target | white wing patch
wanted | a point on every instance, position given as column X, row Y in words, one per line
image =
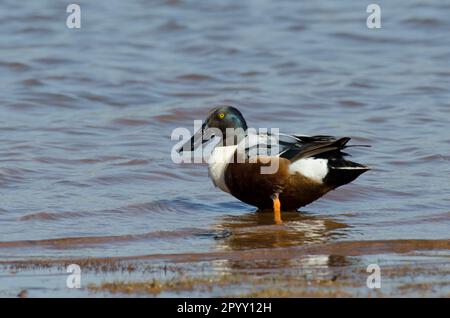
column 315, row 169
column 218, row 162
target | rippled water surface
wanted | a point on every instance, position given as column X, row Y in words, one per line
column 86, row 117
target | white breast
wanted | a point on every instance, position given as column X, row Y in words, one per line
column 315, row 169
column 218, row 162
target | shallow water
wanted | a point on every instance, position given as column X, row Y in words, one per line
column 86, row 117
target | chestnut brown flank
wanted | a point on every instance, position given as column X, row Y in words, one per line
column 246, row 183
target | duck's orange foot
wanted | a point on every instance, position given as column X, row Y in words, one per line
column 276, row 209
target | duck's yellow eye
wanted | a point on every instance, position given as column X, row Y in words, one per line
column 221, row 115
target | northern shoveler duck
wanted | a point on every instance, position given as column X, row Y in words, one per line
column 307, row 166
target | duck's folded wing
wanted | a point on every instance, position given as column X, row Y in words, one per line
column 307, row 139
column 298, row 147
column 287, row 146
column 295, row 147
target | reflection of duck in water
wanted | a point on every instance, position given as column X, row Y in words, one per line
column 256, row 230
column 306, row 167
column 269, row 246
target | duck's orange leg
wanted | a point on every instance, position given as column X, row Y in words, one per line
column 276, row 209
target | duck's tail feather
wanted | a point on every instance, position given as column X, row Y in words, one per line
column 341, row 171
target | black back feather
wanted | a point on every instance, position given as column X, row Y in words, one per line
column 314, row 146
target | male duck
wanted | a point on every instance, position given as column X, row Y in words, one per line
column 307, row 166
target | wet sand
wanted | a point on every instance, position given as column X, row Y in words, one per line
column 408, row 268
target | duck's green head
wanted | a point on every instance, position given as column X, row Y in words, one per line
column 224, row 117
column 220, row 119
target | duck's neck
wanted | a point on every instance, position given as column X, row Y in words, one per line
column 233, row 137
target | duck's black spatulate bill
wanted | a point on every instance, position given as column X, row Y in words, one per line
column 196, row 140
